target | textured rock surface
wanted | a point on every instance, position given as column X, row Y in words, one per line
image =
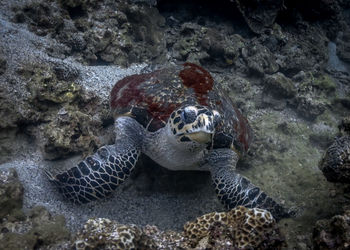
column 260, row 15
column 240, row 228
column 11, row 192
column 343, row 48
column 34, row 230
column 280, row 86
column 335, row 163
column 333, row 233
column 107, row 234
column 112, row 32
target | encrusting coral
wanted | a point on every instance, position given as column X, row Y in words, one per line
column 239, row 228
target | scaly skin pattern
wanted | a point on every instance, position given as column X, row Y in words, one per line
column 235, row 190
column 99, row 174
column 96, row 176
column 335, row 163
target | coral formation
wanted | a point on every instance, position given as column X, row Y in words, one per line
column 61, row 107
column 35, row 229
column 335, row 163
column 104, row 233
column 279, row 85
column 95, row 34
column 242, row 227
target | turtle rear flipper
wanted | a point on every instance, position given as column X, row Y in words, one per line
column 99, row 174
column 235, row 190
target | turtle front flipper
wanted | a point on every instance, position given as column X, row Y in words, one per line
column 235, row 190
column 99, row 174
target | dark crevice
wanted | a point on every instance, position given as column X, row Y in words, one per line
column 76, row 12
column 107, row 122
column 99, row 62
column 177, row 12
column 311, row 11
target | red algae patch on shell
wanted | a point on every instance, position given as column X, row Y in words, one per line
column 194, row 76
column 127, row 91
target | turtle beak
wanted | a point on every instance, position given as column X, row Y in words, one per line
column 201, row 137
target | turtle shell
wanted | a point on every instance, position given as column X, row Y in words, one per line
column 151, row 98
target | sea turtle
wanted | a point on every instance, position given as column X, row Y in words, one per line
column 183, row 121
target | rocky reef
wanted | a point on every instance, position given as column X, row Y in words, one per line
column 333, row 233
column 239, row 228
column 335, row 163
column 34, row 229
column 39, row 229
column 285, row 64
column 100, row 33
column 11, row 192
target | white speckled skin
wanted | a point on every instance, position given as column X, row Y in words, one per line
column 182, row 143
column 164, row 148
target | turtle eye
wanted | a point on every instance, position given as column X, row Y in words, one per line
column 217, row 118
column 188, row 115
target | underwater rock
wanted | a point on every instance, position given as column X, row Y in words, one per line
column 45, row 87
column 309, row 108
column 344, row 126
column 65, row 72
column 333, row 233
column 260, row 15
column 303, row 51
column 139, row 36
column 343, row 46
column 279, row 85
column 314, row 95
column 185, row 47
column 37, row 229
column 321, row 134
column 11, row 192
column 7, row 143
column 224, row 51
column 239, row 228
column 3, row 65
column 70, row 132
column 9, row 113
column 42, row 17
column 95, row 34
column 335, row 163
column 259, row 59
column 106, row 234
column 66, row 123
column 278, row 90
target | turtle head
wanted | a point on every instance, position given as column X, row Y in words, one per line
column 193, row 125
